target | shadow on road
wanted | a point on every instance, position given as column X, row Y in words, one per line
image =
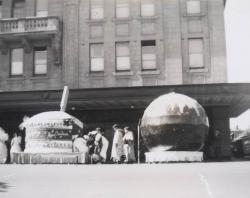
column 3, row 187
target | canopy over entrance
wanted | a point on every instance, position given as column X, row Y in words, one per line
column 234, row 96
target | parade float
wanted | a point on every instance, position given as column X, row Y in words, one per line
column 49, row 137
column 174, row 128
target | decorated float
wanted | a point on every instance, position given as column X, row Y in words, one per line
column 174, row 127
column 51, row 132
column 49, row 137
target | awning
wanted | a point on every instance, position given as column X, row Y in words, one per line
column 235, row 96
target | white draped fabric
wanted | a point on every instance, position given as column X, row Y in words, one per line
column 16, row 145
column 174, row 156
column 80, row 146
column 3, row 149
column 117, row 147
column 129, row 151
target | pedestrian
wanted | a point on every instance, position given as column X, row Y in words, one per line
column 96, row 145
column 91, row 142
column 105, row 145
column 98, row 141
column 80, row 146
column 117, row 152
column 128, row 140
column 3, row 148
column 15, row 146
column 22, row 127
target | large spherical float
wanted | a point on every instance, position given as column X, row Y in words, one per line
column 51, row 132
column 174, row 122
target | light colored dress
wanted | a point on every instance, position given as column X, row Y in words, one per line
column 80, row 146
column 3, row 149
column 129, row 151
column 16, row 145
column 117, row 146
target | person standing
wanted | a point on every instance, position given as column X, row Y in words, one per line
column 15, row 146
column 80, row 146
column 117, row 147
column 105, row 145
column 128, row 140
column 3, row 148
column 98, row 141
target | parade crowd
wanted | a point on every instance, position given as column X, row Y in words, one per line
column 92, row 146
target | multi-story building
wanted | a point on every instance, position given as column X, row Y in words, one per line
column 111, row 43
column 115, row 55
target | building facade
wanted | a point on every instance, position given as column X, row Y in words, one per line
column 116, row 56
column 46, row 44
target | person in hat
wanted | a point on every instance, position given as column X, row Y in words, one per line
column 95, row 145
column 128, row 140
column 3, row 148
column 98, row 140
column 117, row 152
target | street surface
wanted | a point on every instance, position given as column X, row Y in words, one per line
column 181, row 180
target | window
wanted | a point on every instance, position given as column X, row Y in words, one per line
column 96, row 9
column 196, row 53
column 147, row 8
column 122, row 8
column 40, row 61
column 41, row 8
column 16, row 62
column 122, row 56
column 96, row 57
column 148, row 55
column 193, row 7
column 1, row 7
column 18, row 8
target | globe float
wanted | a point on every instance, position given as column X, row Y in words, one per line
column 174, row 122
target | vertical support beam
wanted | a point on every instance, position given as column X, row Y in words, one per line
column 221, row 143
column 30, row 8
column 26, row 45
column 7, row 8
column 56, row 43
column 71, row 42
column 3, row 47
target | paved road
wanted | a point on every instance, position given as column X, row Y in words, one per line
column 187, row 180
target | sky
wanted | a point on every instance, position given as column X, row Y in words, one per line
column 237, row 24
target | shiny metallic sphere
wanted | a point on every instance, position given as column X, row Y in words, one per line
column 174, row 122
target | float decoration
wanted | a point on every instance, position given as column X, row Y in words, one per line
column 174, row 122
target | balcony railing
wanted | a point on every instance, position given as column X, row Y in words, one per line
column 27, row 25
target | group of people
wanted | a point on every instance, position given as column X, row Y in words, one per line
column 123, row 145
column 94, row 146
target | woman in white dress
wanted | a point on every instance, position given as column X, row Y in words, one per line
column 3, row 148
column 128, row 140
column 117, row 147
column 15, row 145
column 80, row 146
